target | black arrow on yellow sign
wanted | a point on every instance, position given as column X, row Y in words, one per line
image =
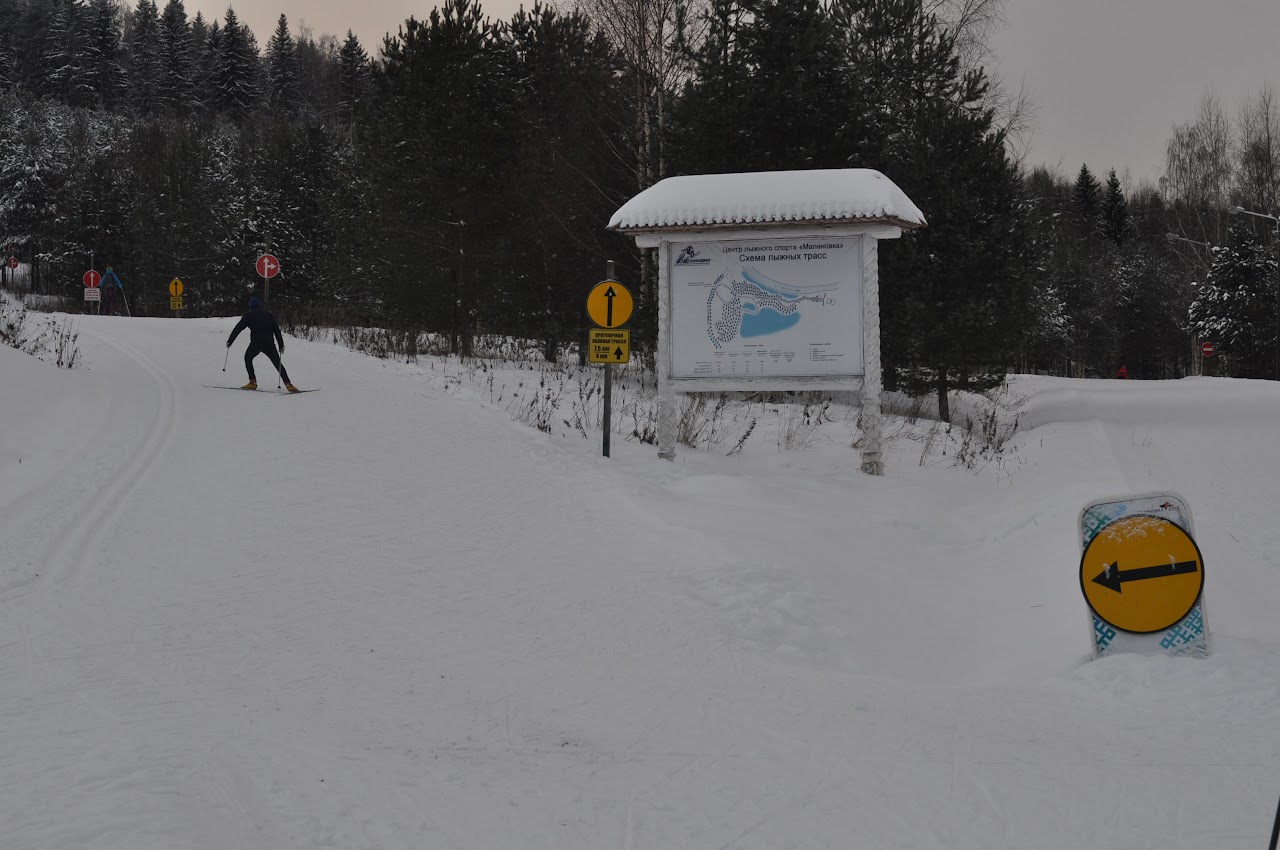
column 1114, row 578
column 610, row 294
column 618, row 353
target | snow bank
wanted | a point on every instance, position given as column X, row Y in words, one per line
column 385, row 616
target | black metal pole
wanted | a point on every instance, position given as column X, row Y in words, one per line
column 1275, row 832
column 608, row 405
column 608, row 382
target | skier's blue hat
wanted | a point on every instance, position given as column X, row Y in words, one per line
column 254, row 302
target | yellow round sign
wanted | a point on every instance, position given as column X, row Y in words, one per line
column 1142, row 574
column 175, row 288
column 609, row 305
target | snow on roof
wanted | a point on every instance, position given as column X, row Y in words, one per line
column 768, row 197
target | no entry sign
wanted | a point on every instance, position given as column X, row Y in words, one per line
column 1208, row 349
column 268, row 266
column 92, row 279
column 13, row 262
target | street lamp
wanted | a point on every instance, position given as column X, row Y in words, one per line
column 1275, row 246
column 1173, row 237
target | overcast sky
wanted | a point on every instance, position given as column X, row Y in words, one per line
column 1109, row 76
column 368, row 19
column 1112, row 76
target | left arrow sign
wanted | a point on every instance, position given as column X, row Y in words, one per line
column 1113, row 578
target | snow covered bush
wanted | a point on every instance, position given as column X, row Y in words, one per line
column 54, row 338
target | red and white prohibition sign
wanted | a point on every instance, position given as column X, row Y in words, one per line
column 268, row 266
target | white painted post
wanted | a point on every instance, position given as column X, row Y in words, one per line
column 666, row 397
column 872, row 431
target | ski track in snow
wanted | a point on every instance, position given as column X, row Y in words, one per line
column 376, row 618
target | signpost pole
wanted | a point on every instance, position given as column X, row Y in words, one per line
column 1275, row 832
column 608, row 380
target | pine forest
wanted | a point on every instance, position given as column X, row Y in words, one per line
column 456, row 179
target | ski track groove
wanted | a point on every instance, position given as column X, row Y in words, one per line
column 70, row 554
column 73, row 548
column 240, row 817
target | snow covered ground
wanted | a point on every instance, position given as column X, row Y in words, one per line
column 385, row 615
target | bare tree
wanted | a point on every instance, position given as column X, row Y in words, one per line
column 1198, row 172
column 974, row 22
column 648, row 35
column 1257, row 151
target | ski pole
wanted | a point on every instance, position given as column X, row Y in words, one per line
column 225, row 359
column 1275, row 833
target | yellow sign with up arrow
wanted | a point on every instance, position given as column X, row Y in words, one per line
column 610, row 305
column 608, row 346
column 1142, row 574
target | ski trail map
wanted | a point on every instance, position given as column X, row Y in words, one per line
column 767, row 308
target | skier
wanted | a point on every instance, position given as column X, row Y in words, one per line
column 1122, row 373
column 262, row 328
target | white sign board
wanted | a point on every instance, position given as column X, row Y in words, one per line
column 92, row 294
column 786, row 307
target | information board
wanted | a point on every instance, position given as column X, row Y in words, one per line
column 788, row 307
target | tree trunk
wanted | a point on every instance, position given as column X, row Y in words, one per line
column 944, row 403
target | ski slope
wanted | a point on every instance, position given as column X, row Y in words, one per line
column 386, row 616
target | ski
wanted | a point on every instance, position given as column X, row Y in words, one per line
column 272, row 392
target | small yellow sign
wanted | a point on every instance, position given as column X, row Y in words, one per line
column 608, row 346
column 175, row 288
column 609, row 305
column 175, row 304
column 1142, row 574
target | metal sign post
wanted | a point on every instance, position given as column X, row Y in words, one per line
column 175, row 297
column 609, row 305
column 93, row 281
column 268, row 267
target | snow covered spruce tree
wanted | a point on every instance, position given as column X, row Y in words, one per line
column 439, row 152
column 1086, row 203
column 567, row 187
column 176, row 86
column 282, row 69
column 145, row 66
column 7, row 74
column 1114, row 213
column 1235, row 305
column 353, row 77
column 103, row 54
column 68, row 76
column 234, row 87
column 709, row 134
column 957, row 310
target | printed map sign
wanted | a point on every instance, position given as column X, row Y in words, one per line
column 763, row 308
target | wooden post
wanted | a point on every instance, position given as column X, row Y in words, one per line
column 666, row 396
column 872, row 434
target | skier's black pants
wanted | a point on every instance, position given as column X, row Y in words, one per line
column 254, row 350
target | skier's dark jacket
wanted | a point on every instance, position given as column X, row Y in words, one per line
column 262, row 327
